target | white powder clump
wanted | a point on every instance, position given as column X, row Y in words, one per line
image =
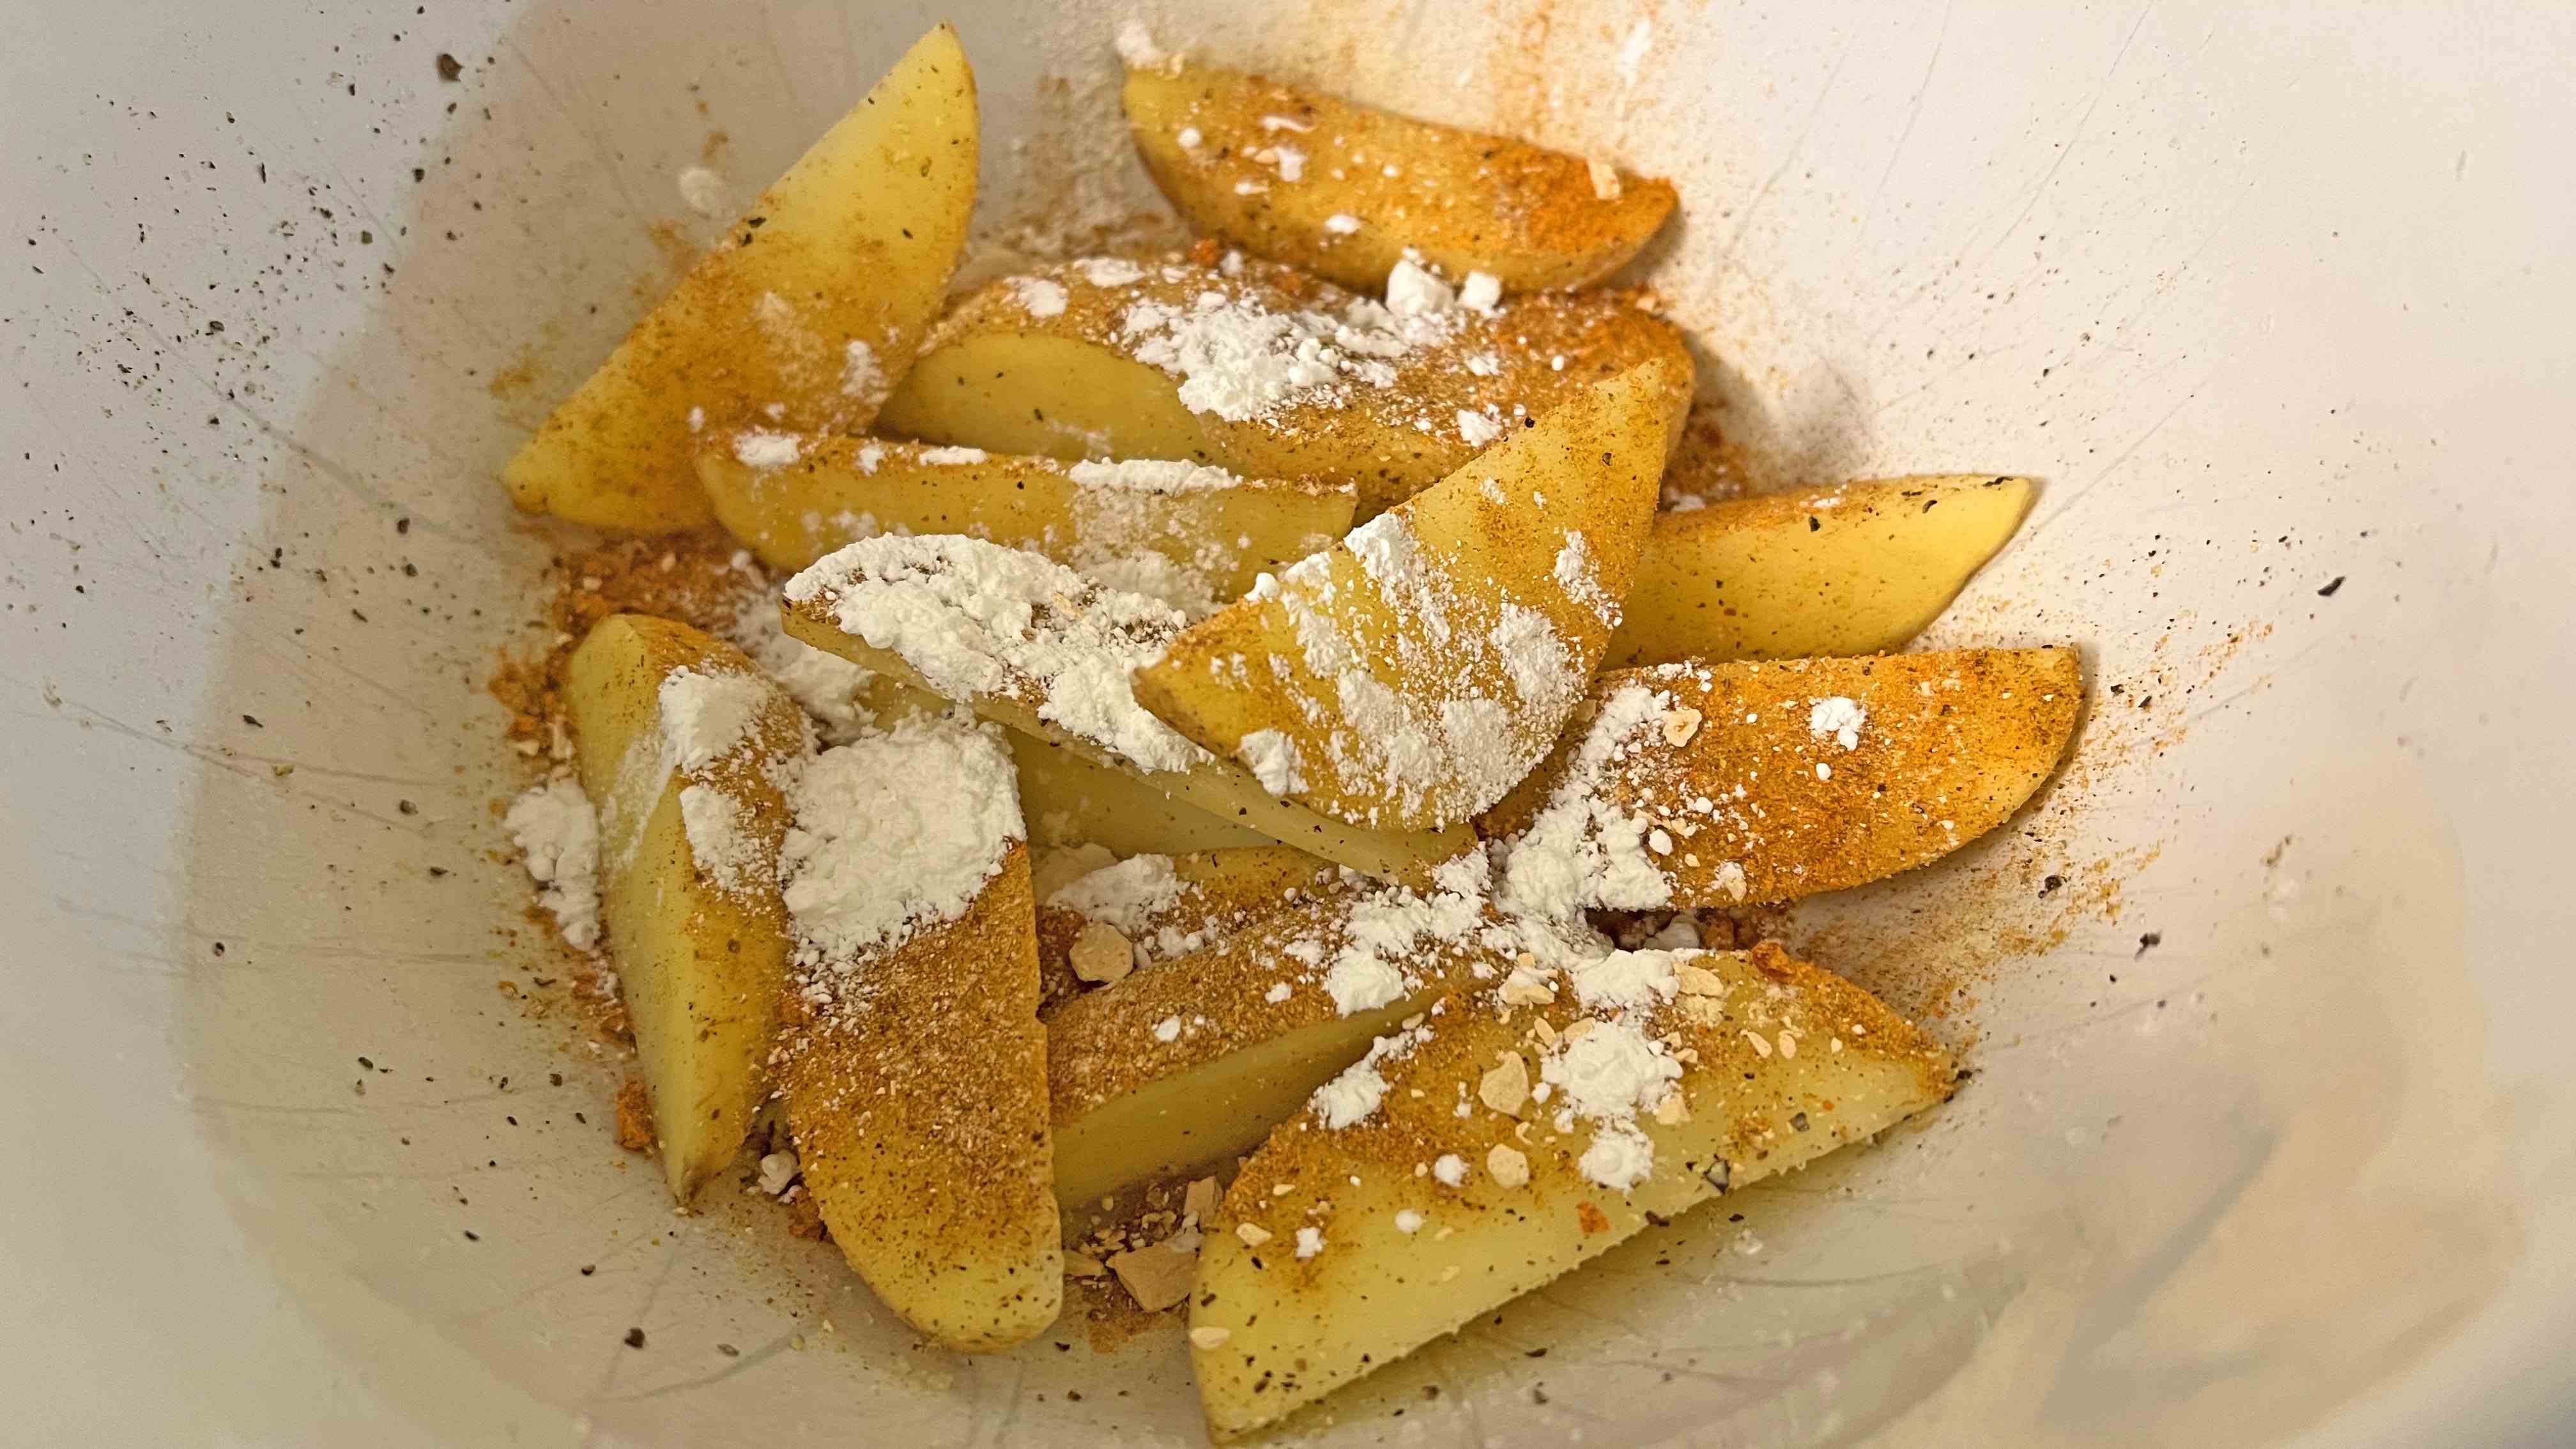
column 1840, row 718
column 1481, row 292
column 1574, row 574
column 1038, row 296
column 1582, row 849
column 1310, row 1241
column 557, row 834
column 1387, row 930
column 830, row 689
column 1352, row 1096
column 721, row 841
column 1291, row 162
column 1408, row 1221
column 1110, row 271
column 762, row 448
column 1137, row 48
column 954, row 455
column 1627, row 978
column 705, row 717
column 1477, row 429
column 1612, row 1072
column 1412, row 290
column 975, row 618
column 1272, row 757
column 893, row 833
column 1451, row 1169
column 1129, row 896
column 1619, row 1158
column 1342, row 223
column 1151, row 475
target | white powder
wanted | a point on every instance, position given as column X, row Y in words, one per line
column 703, row 191
column 1612, row 1072
column 954, row 455
column 1168, row 1029
column 1279, row 991
column 829, row 688
column 892, row 833
column 861, row 377
column 1342, row 223
column 761, row 448
column 1619, row 1158
column 974, row 618
column 1129, row 895
column 557, row 834
column 1291, row 162
column 705, row 717
column 1242, row 351
column 1541, row 667
column 1575, row 575
column 1189, row 138
column 1582, row 850
column 1412, row 291
column 1408, row 1221
column 1481, row 292
column 1451, row 1169
column 1839, row 717
column 1272, row 758
column 1151, row 475
column 1110, row 271
column 1310, row 1241
column 1352, row 1096
column 1038, row 296
column 1627, row 978
column 1387, row 929
column 721, row 841
column 1137, row 48
column 1477, row 429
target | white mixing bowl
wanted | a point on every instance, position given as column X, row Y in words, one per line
column 2271, row 1130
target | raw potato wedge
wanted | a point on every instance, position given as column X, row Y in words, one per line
column 1055, row 362
column 1768, row 781
column 1194, row 537
column 1165, row 906
column 1859, row 569
column 920, row 1123
column 977, row 614
column 1411, row 675
column 813, row 302
column 1342, row 189
column 1193, row 1062
column 700, row 949
column 1274, row 1326
column 1074, row 799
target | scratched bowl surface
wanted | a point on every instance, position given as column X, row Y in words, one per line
column 2270, row 1134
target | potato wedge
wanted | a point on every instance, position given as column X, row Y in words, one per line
column 1342, row 189
column 1191, row 536
column 1710, row 785
column 1342, row 1248
column 913, row 1063
column 1262, row 371
column 812, row 304
column 1180, row 1067
column 1033, row 645
column 1857, row 569
column 1411, row 675
column 1154, row 907
column 693, row 917
column 1075, row 799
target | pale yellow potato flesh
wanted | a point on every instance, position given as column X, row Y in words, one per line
column 1271, row 1331
column 1216, row 540
column 1219, row 788
column 1242, row 1055
column 1856, row 569
column 921, row 1124
column 699, row 965
column 1070, row 798
column 1459, row 713
column 814, row 301
column 1217, row 893
column 1758, row 806
column 1220, row 142
column 997, row 375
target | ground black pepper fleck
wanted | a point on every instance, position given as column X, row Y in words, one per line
column 634, row 1338
column 2333, row 584
column 2150, row 941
